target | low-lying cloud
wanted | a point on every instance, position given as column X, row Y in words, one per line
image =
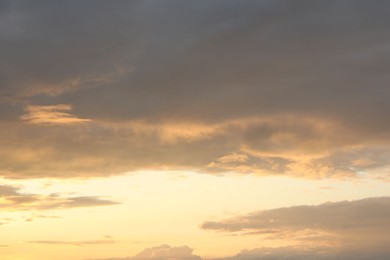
column 163, row 252
column 13, row 199
column 346, row 225
column 304, row 147
column 350, row 230
column 73, row 243
column 294, row 253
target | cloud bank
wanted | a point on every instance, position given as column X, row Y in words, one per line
column 348, row 230
column 267, row 87
column 291, row 253
column 346, row 227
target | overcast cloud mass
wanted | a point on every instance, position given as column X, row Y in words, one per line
column 266, row 87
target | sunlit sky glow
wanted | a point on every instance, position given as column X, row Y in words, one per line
column 188, row 130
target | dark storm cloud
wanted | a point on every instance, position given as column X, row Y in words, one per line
column 294, row 87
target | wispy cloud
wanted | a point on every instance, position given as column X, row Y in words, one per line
column 51, row 115
column 73, row 243
column 13, row 199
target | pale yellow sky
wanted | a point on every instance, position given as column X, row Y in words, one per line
column 161, row 208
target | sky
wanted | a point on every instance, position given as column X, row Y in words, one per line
column 194, row 130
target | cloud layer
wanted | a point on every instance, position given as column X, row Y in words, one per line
column 355, row 226
column 350, row 230
column 292, row 253
column 265, row 87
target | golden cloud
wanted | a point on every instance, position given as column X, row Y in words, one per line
column 51, row 115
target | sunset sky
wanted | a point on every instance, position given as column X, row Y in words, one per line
column 189, row 130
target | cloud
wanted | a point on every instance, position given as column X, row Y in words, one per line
column 276, row 145
column 56, row 114
column 350, row 230
column 13, row 199
column 73, row 243
column 297, row 89
column 347, row 225
column 163, row 252
column 166, row 252
column 6, row 190
column 293, row 253
column 34, row 217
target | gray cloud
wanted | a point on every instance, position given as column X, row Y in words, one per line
column 166, row 252
column 163, row 252
column 228, row 59
column 360, row 225
column 298, row 88
column 304, row 147
column 293, row 253
column 13, row 199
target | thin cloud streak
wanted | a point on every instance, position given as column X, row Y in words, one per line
column 51, row 115
column 13, row 199
column 73, row 243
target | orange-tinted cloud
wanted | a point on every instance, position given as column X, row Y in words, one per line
column 51, row 115
column 305, row 147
